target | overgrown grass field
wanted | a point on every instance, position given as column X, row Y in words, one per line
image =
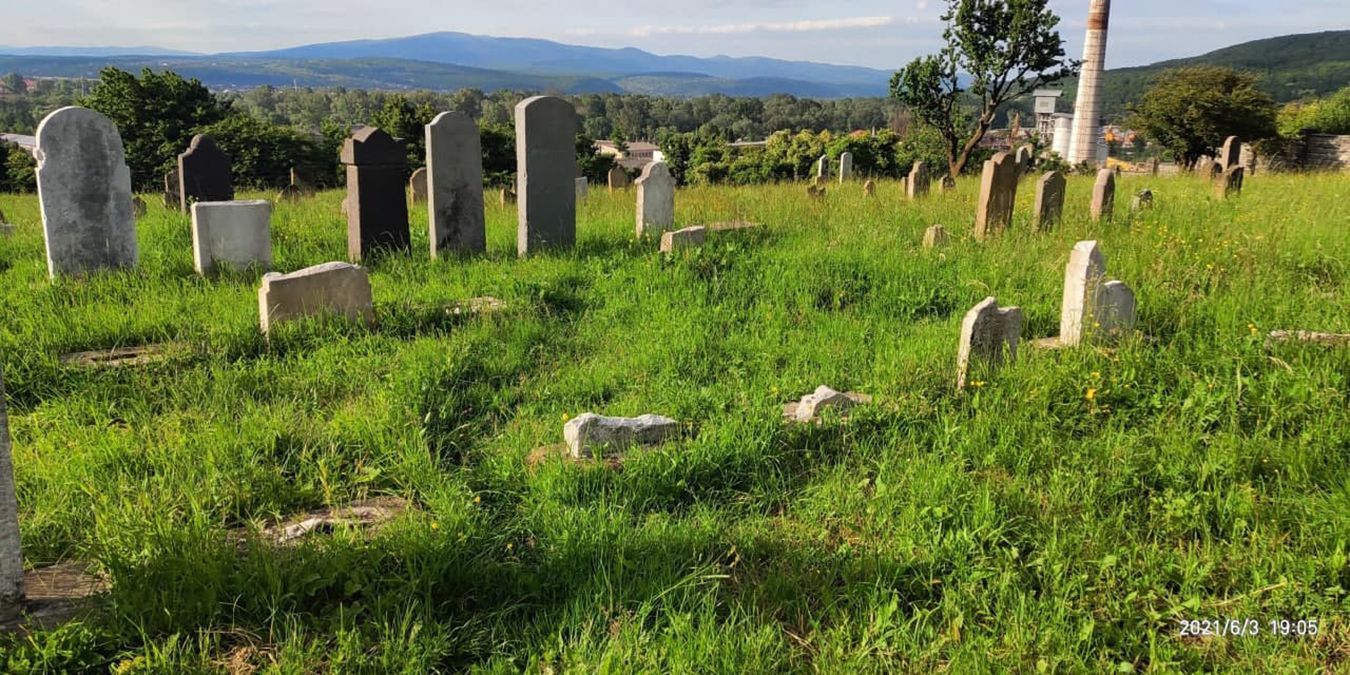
column 1063, row 517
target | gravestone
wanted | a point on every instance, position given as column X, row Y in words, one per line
column 1024, row 157
column 917, row 183
column 591, row 434
column 455, row 213
column 138, row 208
column 172, row 200
column 583, row 188
column 1231, row 153
column 336, row 288
column 546, row 167
column 11, row 553
column 1154, row 166
column 204, row 174
column 686, row 238
column 845, row 167
column 989, row 338
column 1093, row 307
column 1143, row 201
column 417, row 185
column 1204, row 167
column 823, row 167
column 237, row 233
column 1049, row 208
column 655, row 199
column 948, row 183
column 84, row 189
column 1104, row 195
column 870, row 188
column 935, row 237
column 1229, row 183
column 507, row 196
column 618, row 179
column 377, row 203
column 998, row 194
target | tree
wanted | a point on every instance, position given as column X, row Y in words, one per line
column 1006, row 47
column 1191, row 110
column 263, row 154
column 404, row 120
column 155, row 115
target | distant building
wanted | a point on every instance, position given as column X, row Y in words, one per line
column 639, row 154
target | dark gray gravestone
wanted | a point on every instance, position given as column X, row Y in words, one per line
column 546, row 169
column 204, row 174
column 1049, row 207
column 455, row 185
column 377, row 203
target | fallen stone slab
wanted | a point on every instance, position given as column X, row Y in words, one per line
column 689, row 237
column 1309, row 337
column 54, row 595
column 590, row 433
column 732, row 225
column 476, row 306
column 367, row 515
column 337, row 288
column 811, row 406
column 125, row 356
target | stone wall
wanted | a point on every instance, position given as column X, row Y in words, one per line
column 1309, row 152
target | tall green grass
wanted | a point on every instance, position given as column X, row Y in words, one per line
column 1026, row 526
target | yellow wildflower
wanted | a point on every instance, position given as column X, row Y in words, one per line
column 1091, row 394
column 566, row 417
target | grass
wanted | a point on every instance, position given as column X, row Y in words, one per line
column 1024, row 527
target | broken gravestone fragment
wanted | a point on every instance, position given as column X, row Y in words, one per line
column 811, row 406
column 591, row 435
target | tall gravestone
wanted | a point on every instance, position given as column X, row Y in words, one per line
column 655, row 200
column 998, row 194
column 1230, row 155
column 205, row 174
column 377, row 204
column 1093, row 305
column 546, row 169
column 918, row 181
column 417, row 185
column 11, row 553
column 1104, row 195
column 989, row 337
column 84, row 188
column 845, row 167
column 455, row 209
column 1049, row 207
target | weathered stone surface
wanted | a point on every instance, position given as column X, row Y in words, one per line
column 455, row 211
column 686, row 238
column 1024, row 157
column 935, row 237
column 998, row 194
column 812, row 405
column 546, row 166
column 366, row 515
column 331, row 288
column 1143, row 200
column 122, row 357
column 1204, row 167
column 507, row 196
column 618, row 179
column 948, row 183
column 417, row 185
column 84, row 188
column 823, row 167
column 172, row 199
column 989, row 338
column 845, row 167
column 655, row 200
column 1230, row 155
column 590, row 434
column 870, row 188
column 205, row 174
column 1229, row 183
column 1049, row 208
column 1093, row 307
column 1104, row 195
column 237, row 233
column 377, row 201
column 918, row 181
column 138, row 208
column 1309, row 337
column 11, row 554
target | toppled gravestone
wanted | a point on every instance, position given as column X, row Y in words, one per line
column 811, row 406
column 591, row 435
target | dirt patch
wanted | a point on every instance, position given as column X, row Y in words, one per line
column 54, row 595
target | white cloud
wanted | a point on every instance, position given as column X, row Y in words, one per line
column 769, row 27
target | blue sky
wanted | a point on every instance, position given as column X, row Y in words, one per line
column 877, row 33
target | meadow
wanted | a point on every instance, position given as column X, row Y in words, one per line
column 1064, row 516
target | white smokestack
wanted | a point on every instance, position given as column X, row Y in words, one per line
column 1087, row 109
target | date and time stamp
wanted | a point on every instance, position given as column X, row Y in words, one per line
column 1248, row 628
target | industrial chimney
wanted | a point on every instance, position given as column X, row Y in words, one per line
column 1087, row 109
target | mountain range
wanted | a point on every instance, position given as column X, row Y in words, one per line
column 1291, row 66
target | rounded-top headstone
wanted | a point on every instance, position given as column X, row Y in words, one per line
column 370, row 146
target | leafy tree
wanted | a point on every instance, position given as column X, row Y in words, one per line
column 156, row 116
column 1189, row 111
column 407, row 121
column 263, row 154
column 18, row 169
column 1330, row 115
column 1006, row 47
column 14, row 84
column 499, row 154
